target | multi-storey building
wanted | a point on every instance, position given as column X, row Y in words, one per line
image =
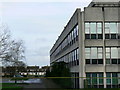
column 90, row 44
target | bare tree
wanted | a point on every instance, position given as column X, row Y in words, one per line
column 11, row 51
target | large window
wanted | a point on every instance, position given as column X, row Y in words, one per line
column 112, row 80
column 112, row 30
column 93, row 30
column 112, row 55
column 95, row 80
column 94, row 55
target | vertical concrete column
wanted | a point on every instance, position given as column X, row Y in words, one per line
column 104, row 56
column 81, row 49
column 119, row 41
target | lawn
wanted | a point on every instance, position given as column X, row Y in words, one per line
column 12, row 86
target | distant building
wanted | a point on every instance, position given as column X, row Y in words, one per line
column 90, row 44
column 10, row 71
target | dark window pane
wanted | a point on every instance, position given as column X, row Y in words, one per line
column 100, row 36
column 107, row 36
column 95, row 86
column 100, row 61
column 113, row 36
column 114, row 86
column 118, row 61
column 108, row 86
column 107, row 61
column 77, row 62
column 94, row 61
column 114, row 61
column 101, row 86
column 118, row 36
column 87, row 36
column 114, row 74
column 93, row 36
column 87, row 61
column 88, row 75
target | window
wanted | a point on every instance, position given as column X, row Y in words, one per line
column 73, row 58
column 94, row 61
column 94, row 55
column 108, row 61
column 87, row 61
column 87, row 36
column 100, row 61
column 118, row 61
column 93, row 52
column 93, row 36
column 111, row 30
column 87, row 53
column 93, row 30
column 95, row 80
column 114, row 61
column 112, row 56
column 112, row 80
column 108, row 75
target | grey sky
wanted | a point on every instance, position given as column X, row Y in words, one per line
column 38, row 24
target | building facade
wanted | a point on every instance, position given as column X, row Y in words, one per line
column 90, row 44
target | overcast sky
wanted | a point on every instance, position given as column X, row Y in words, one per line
column 38, row 24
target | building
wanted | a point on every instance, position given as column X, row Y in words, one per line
column 90, row 44
column 26, row 71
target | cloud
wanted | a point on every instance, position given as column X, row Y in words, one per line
column 38, row 24
column 44, row 1
column 38, row 60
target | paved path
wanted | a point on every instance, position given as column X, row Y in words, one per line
column 35, row 84
column 50, row 84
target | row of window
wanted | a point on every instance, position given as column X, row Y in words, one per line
column 100, row 61
column 112, row 61
column 97, row 52
column 113, row 80
column 94, row 55
column 96, row 27
column 95, row 80
column 71, row 58
column 93, row 30
column 94, row 61
column 70, row 39
column 100, row 36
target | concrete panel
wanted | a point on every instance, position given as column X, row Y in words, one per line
column 94, row 42
column 93, row 14
column 112, row 68
column 94, row 68
column 112, row 42
column 111, row 14
column 74, row 69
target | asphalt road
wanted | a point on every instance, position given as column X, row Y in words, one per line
column 36, row 83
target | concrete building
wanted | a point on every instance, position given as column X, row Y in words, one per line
column 90, row 44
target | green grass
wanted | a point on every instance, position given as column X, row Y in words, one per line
column 12, row 86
